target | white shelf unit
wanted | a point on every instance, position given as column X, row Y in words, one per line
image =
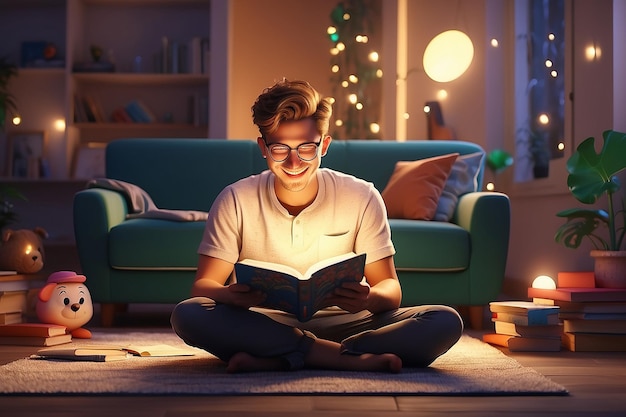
column 125, row 30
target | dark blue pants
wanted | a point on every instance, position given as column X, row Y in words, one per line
column 418, row 335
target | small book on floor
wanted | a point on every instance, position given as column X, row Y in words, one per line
column 553, row 331
column 35, row 340
column 300, row 294
column 32, row 329
column 523, row 344
column 106, row 353
column 524, row 313
column 594, row 342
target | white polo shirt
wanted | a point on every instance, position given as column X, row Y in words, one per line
column 247, row 221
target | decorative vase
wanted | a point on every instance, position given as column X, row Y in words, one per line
column 610, row 268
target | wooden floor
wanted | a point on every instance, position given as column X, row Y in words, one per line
column 596, row 383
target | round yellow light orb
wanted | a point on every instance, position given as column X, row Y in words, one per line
column 448, row 56
column 545, row 282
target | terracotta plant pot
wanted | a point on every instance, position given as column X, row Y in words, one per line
column 610, row 268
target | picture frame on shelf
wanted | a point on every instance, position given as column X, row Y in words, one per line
column 26, row 151
column 89, row 161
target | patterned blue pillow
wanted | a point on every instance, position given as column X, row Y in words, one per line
column 463, row 179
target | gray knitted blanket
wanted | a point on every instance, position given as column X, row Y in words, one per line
column 141, row 205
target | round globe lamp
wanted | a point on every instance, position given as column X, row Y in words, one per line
column 448, row 56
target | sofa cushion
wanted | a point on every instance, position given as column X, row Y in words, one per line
column 415, row 186
column 430, row 246
column 463, row 179
column 155, row 244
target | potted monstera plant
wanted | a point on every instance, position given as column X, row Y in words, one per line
column 591, row 176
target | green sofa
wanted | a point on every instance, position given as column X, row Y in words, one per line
column 151, row 260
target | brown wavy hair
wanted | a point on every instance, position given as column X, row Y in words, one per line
column 288, row 101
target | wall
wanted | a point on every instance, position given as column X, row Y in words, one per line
column 533, row 250
column 273, row 39
column 480, row 106
column 465, row 105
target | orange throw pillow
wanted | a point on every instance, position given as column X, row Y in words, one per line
column 414, row 188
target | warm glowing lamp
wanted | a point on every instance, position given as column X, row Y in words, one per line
column 448, row 56
column 544, row 282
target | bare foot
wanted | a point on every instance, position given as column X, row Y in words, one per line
column 244, row 362
column 386, row 362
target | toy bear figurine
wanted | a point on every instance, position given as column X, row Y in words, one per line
column 65, row 300
column 22, row 250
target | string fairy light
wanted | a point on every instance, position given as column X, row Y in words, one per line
column 355, row 69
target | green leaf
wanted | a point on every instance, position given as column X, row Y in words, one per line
column 592, row 174
column 580, row 223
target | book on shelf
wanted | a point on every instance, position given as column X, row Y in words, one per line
column 139, row 112
column 104, row 353
column 594, row 326
column 579, row 294
column 35, row 340
column 120, row 115
column 80, row 116
column 12, row 301
column 594, row 342
column 32, row 329
column 94, row 109
column 11, row 317
column 523, row 344
column 552, row 331
column 296, row 293
column 576, row 279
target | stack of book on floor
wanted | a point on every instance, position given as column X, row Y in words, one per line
column 594, row 319
column 523, row 326
column 34, row 334
column 13, row 297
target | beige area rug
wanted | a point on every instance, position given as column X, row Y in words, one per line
column 471, row 367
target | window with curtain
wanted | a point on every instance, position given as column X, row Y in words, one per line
column 540, row 86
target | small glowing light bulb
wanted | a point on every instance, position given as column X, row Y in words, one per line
column 544, row 282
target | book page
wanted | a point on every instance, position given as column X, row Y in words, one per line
column 157, row 350
column 271, row 266
column 328, row 262
column 285, row 269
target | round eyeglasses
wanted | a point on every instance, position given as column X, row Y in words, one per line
column 279, row 152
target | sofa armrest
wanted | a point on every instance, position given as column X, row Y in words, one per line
column 487, row 217
column 96, row 211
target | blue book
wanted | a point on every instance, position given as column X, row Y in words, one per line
column 300, row 294
column 139, row 113
column 524, row 312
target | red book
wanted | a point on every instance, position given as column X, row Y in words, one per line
column 32, row 329
column 579, row 294
column 576, row 279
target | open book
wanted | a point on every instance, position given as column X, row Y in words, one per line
column 106, row 353
column 300, row 294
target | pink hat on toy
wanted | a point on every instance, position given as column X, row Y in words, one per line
column 65, row 276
